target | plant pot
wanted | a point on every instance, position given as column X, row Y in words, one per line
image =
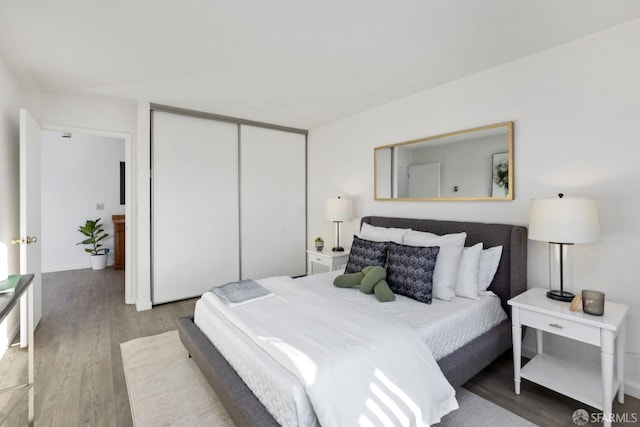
column 98, row 262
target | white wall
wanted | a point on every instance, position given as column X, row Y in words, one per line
column 576, row 113
column 10, row 102
column 77, row 174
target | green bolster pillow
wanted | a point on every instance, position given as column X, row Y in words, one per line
column 383, row 292
column 371, row 277
column 348, row 280
column 367, row 269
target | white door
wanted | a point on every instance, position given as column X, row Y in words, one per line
column 424, row 180
column 195, row 243
column 272, row 203
column 30, row 250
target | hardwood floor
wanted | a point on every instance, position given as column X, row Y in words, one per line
column 79, row 376
column 536, row 403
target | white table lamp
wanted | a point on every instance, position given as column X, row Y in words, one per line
column 564, row 221
column 338, row 210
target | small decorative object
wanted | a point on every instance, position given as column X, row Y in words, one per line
column 319, row 244
column 593, row 302
column 564, row 221
column 95, row 234
column 575, row 303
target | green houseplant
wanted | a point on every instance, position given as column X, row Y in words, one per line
column 94, row 232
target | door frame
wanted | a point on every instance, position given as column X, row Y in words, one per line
column 129, row 289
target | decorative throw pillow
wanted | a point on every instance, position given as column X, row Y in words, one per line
column 468, row 270
column 446, row 271
column 489, row 261
column 382, row 234
column 364, row 253
column 410, row 270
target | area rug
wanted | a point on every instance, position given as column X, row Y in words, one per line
column 166, row 389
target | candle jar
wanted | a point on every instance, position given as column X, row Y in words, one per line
column 593, row 302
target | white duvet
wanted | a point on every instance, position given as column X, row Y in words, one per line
column 357, row 368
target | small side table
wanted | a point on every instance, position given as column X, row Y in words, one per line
column 333, row 260
column 532, row 308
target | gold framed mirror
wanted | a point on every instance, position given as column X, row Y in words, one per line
column 471, row 164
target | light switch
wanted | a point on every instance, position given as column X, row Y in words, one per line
column 100, row 206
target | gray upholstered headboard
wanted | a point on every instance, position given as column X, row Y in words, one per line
column 511, row 277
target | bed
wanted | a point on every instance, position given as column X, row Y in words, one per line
column 458, row 366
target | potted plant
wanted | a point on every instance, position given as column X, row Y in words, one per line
column 319, row 243
column 95, row 234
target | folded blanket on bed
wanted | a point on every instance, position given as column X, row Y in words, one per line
column 237, row 293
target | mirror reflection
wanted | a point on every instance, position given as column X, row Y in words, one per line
column 473, row 164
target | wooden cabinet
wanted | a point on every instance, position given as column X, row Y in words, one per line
column 119, row 236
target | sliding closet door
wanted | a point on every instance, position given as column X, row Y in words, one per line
column 272, row 202
column 195, row 241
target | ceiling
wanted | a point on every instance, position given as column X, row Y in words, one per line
column 298, row 63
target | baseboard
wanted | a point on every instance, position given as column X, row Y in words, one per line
column 632, row 388
column 59, row 268
column 143, row 305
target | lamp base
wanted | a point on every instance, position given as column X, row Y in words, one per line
column 558, row 295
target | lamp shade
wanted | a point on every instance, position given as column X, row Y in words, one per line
column 564, row 220
column 338, row 210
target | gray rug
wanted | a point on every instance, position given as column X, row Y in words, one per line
column 166, row 389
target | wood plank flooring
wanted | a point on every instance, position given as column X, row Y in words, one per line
column 79, row 376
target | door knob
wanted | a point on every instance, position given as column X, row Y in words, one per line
column 29, row 240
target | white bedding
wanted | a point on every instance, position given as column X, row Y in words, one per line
column 444, row 325
column 280, row 391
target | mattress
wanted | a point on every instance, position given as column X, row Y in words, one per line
column 444, row 325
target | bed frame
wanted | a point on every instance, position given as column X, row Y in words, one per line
column 510, row 280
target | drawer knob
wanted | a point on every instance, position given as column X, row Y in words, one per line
column 555, row 325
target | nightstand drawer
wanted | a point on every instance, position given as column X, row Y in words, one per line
column 323, row 260
column 562, row 327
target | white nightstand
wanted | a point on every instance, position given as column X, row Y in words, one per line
column 532, row 308
column 333, row 260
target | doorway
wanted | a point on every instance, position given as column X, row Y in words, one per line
column 81, row 173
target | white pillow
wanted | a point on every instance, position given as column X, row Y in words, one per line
column 446, row 269
column 382, row 234
column 489, row 261
column 467, row 281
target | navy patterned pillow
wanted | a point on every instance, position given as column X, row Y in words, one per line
column 364, row 253
column 410, row 270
